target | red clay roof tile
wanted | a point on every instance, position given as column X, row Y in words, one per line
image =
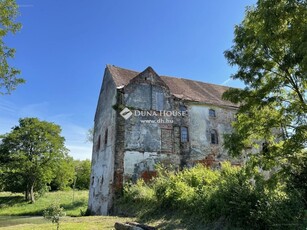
column 179, row 87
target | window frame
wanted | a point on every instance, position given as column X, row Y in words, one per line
column 212, row 113
column 181, row 134
column 215, row 137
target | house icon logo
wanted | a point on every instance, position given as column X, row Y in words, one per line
column 126, row 113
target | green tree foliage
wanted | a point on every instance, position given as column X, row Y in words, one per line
column 8, row 74
column 90, row 135
column 64, row 173
column 29, row 154
column 270, row 51
column 82, row 174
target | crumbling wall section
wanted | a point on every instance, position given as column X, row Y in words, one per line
column 148, row 138
column 101, row 190
column 202, row 125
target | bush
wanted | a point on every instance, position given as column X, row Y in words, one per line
column 208, row 195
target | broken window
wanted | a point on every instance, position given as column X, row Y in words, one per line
column 106, row 137
column 98, row 143
column 212, row 113
column 184, row 134
column 159, row 101
column 214, row 138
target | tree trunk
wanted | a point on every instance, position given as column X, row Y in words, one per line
column 27, row 194
column 32, row 194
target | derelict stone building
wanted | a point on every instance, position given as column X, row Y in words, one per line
column 143, row 118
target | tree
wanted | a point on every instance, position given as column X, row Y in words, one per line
column 8, row 74
column 64, row 173
column 90, row 135
column 270, row 51
column 83, row 174
column 29, row 155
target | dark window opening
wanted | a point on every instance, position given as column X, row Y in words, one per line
column 212, row 113
column 265, row 147
column 182, row 108
column 93, row 178
column 106, row 137
column 184, row 134
column 98, row 143
column 214, row 138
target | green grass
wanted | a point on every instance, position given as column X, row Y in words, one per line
column 13, row 204
column 67, row 223
column 15, row 213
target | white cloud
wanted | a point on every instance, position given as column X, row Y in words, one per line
column 80, row 152
column 75, row 134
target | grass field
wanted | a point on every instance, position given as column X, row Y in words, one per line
column 15, row 213
column 69, row 223
column 13, row 204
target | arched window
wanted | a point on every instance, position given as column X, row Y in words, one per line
column 98, row 143
column 212, row 113
column 184, row 134
column 214, row 137
column 106, row 137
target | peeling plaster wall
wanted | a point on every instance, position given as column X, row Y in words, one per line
column 142, row 164
column 142, row 141
column 101, row 191
column 200, row 128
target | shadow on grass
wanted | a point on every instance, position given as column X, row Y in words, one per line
column 72, row 206
column 7, row 201
column 170, row 219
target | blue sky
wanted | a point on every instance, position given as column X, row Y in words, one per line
column 64, row 46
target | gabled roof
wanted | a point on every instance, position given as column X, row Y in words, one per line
column 185, row 89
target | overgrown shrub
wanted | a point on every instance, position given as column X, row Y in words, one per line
column 230, row 193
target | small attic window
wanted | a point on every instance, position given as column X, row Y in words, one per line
column 212, row 113
column 182, row 108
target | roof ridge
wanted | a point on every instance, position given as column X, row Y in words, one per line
column 196, row 81
column 138, row 72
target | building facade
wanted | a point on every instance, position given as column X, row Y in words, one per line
column 143, row 119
